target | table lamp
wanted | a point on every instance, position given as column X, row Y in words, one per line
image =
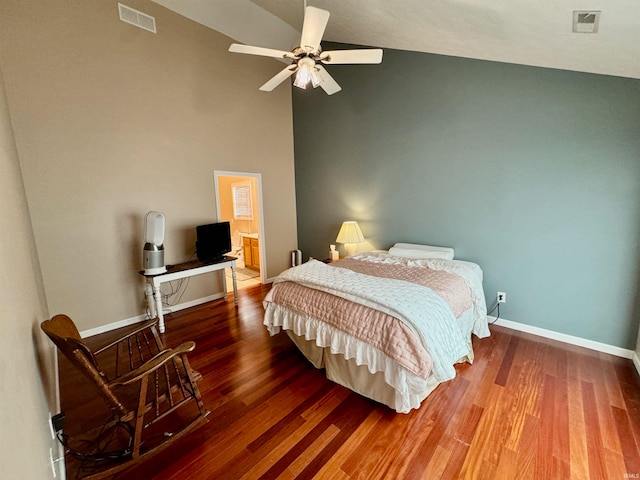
column 350, row 234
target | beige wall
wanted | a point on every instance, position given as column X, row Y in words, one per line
column 27, row 363
column 112, row 121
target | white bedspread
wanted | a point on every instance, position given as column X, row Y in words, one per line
column 470, row 272
column 422, row 310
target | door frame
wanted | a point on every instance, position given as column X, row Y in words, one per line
column 261, row 234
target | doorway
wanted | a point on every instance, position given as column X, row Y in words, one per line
column 239, row 202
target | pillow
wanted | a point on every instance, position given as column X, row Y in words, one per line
column 412, row 250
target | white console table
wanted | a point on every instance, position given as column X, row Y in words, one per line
column 189, row 269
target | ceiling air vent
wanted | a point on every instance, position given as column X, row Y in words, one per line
column 586, row 21
column 139, row 19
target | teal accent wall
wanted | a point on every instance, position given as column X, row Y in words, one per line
column 532, row 173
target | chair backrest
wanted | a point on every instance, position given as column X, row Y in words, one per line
column 64, row 333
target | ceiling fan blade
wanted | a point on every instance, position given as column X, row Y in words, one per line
column 371, row 55
column 279, row 78
column 315, row 21
column 265, row 52
column 328, row 84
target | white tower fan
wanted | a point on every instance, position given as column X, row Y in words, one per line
column 153, row 253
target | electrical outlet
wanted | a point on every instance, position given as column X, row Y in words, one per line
column 55, row 468
column 51, row 430
column 53, row 462
column 56, row 424
column 502, row 297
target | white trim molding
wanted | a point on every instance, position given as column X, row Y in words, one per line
column 636, row 362
column 563, row 337
column 141, row 318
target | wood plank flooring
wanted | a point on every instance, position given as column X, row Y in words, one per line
column 528, row 408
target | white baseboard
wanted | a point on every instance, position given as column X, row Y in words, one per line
column 563, row 337
column 141, row 318
column 636, row 362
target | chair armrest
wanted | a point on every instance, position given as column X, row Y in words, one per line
column 143, row 326
column 153, row 364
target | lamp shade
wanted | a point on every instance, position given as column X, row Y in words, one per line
column 350, row 233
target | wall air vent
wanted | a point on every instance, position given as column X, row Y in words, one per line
column 139, row 19
column 586, row 21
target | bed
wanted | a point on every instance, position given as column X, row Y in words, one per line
column 387, row 325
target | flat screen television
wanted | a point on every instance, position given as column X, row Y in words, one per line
column 213, row 241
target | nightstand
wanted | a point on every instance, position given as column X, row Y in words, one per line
column 328, row 260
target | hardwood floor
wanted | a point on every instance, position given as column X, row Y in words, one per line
column 527, row 408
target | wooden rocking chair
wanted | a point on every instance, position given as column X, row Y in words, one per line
column 141, row 382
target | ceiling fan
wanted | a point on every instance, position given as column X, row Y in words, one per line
column 308, row 58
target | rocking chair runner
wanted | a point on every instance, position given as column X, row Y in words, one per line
column 141, row 382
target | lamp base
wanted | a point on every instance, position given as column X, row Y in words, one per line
column 350, row 248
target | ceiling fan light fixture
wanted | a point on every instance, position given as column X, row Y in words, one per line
column 315, row 78
column 307, row 73
column 303, row 77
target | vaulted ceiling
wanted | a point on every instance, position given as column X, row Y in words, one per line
column 526, row 32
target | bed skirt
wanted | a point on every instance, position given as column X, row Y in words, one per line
column 357, row 377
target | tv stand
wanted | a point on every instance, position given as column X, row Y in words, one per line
column 190, row 269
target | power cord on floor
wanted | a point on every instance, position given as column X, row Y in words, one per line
column 101, row 449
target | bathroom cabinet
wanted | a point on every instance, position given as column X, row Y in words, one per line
column 251, row 249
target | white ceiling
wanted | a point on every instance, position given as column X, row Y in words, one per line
column 527, row 32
